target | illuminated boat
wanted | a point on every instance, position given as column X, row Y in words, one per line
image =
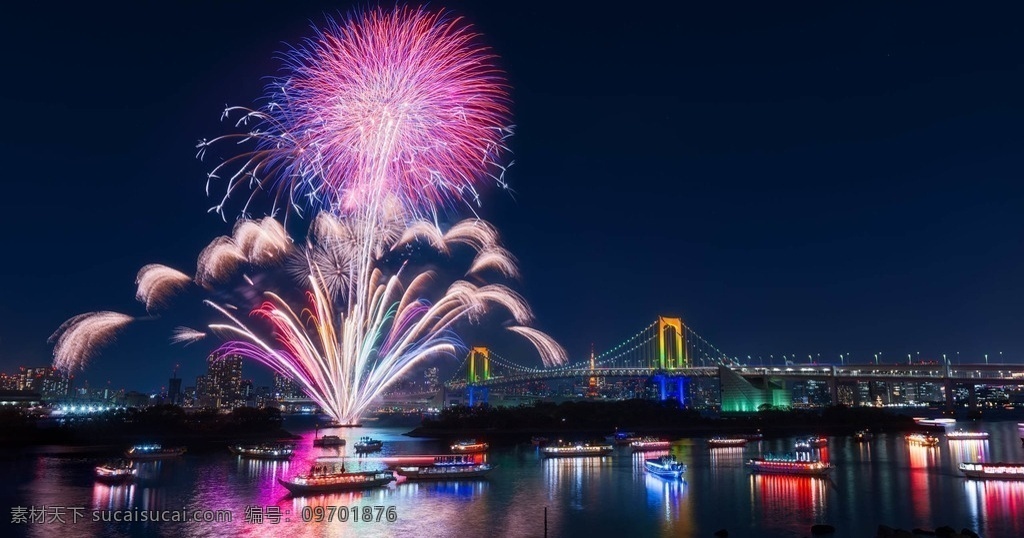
column 447, row 468
column 753, row 436
column 118, row 471
column 469, row 447
column 790, row 465
column 961, row 435
column 565, row 450
column 665, row 467
column 993, row 471
column 326, row 477
column 621, row 438
column 268, row 451
column 723, row 442
column 328, row 440
column 368, row 444
column 153, row 452
column 921, row 439
column 649, row 443
column 863, row 436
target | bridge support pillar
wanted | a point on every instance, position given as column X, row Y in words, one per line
column 662, row 388
column 476, row 395
column 872, row 393
column 948, row 389
column 972, row 396
column 856, row 394
column 682, row 382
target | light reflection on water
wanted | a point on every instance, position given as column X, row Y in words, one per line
column 881, row 481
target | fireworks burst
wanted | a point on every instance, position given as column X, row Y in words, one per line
column 401, row 104
column 78, row 339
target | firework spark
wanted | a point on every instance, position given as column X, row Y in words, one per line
column 80, row 338
column 401, row 103
column 187, row 335
column 157, row 284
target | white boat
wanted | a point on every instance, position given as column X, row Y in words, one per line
column 153, row 452
column 790, row 465
column 921, row 439
column 723, row 442
column 993, row 471
column 447, row 468
column 962, row 435
column 469, row 446
column 576, row 449
column 368, row 444
column 120, row 471
column 649, row 443
column 268, row 451
column 665, row 467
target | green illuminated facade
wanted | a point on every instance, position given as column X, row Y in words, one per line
column 742, row 396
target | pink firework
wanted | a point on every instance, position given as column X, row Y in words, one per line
column 386, row 106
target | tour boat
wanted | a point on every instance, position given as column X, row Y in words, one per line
column 722, row 442
column 447, row 468
column 153, row 452
column 921, row 439
column 649, row 443
column 269, row 451
column 817, row 442
column 469, row 447
column 576, row 449
column 119, row 471
column 665, row 467
column 993, row 471
column 961, row 435
column 325, row 477
column 862, row 436
column 328, row 440
column 790, row 465
column 368, row 444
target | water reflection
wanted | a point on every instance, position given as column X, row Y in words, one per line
column 787, row 502
column 922, row 459
column 725, row 458
column 968, row 450
column 575, row 476
column 997, row 506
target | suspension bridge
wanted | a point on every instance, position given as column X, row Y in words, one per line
column 671, row 354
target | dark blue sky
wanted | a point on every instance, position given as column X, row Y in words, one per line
column 789, row 181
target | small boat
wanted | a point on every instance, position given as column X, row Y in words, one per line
column 117, row 471
column 328, row 440
column 539, row 441
column 269, row 451
column 368, row 444
column 562, row 450
column 153, row 452
column 724, row 442
column 665, row 467
column 790, row 465
column 962, row 435
column 447, row 468
column 469, row 447
column 325, row 477
column 649, row 443
column 863, row 436
column 753, row 436
column 817, row 442
column 336, row 424
column 921, row 439
column 993, row 471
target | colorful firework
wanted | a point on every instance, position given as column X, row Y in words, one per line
column 370, row 312
column 401, row 104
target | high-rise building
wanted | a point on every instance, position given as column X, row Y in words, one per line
column 284, row 387
column 48, row 381
column 430, row 378
column 224, row 382
column 174, row 390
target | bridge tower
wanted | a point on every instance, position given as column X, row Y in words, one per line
column 592, row 386
column 675, row 356
column 479, row 370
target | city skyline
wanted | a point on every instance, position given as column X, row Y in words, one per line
column 860, row 202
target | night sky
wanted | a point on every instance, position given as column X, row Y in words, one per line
column 819, row 180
